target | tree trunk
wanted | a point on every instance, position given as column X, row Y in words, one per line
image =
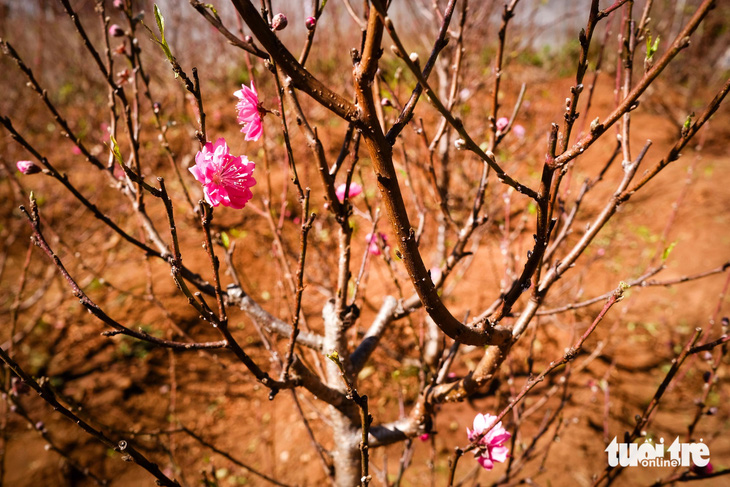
column 345, row 432
column 346, row 451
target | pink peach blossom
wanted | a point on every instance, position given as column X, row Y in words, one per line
column 491, row 445
column 226, row 179
column 27, row 167
column 435, row 274
column 355, row 189
column 502, row 123
column 519, row 131
column 116, row 31
column 372, row 240
column 249, row 114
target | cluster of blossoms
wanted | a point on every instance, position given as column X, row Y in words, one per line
column 227, row 179
column 491, row 445
column 502, row 124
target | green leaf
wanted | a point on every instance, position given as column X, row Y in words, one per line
column 115, row 150
column 687, row 125
column 161, row 40
column 226, row 241
column 651, row 48
column 160, row 22
column 668, row 251
column 688, row 122
column 210, row 7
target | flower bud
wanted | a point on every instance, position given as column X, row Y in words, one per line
column 27, row 167
column 119, row 4
column 279, row 22
column 116, row 31
column 519, row 131
column 18, row 387
column 459, row 144
column 502, row 123
column 311, row 22
column 156, row 107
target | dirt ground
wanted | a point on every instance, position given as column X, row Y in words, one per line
column 143, row 393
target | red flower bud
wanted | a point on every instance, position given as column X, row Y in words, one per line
column 279, row 22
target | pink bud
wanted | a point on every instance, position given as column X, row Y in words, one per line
column 424, row 437
column 27, row 167
column 372, row 240
column 519, row 131
column 18, row 387
column 116, row 31
column 279, row 22
column 435, row 274
column 702, row 471
column 355, row 189
column 311, row 22
column 119, row 4
column 502, row 123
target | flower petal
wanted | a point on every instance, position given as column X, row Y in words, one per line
column 485, row 462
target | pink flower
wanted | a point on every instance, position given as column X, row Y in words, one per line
column 372, row 240
column 248, row 112
column 519, row 131
column 491, row 448
column 435, row 274
column 355, row 189
column 502, row 123
column 116, row 31
column 75, row 150
column 27, row 167
column 424, row 437
column 226, row 179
